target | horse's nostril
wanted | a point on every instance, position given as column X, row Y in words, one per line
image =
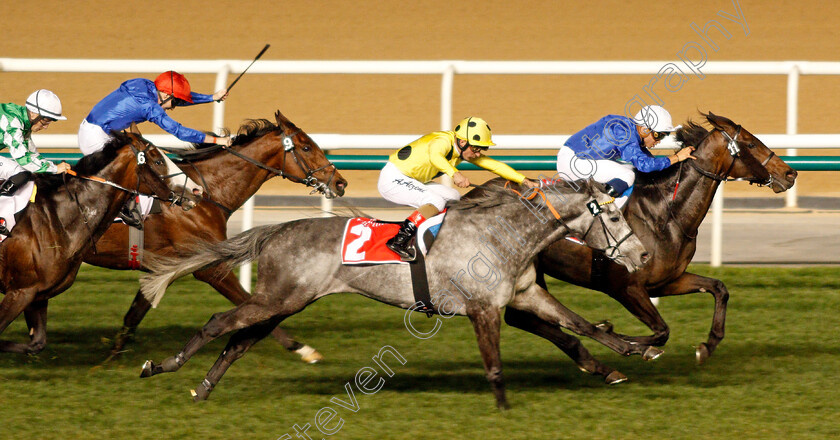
column 645, row 257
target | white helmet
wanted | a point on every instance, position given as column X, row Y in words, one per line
column 655, row 118
column 45, row 103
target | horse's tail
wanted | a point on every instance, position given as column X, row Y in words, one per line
column 240, row 249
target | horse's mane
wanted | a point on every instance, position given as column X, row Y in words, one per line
column 692, row 134
column 493, row 193
column 86, row 166
column 251, row 129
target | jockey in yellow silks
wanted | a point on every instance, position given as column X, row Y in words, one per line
column 406, row 178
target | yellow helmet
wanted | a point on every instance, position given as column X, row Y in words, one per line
column 475, row 131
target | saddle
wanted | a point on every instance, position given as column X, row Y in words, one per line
column 363, row 243
column 364, row 240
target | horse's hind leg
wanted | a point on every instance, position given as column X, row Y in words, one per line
column 136, row 312
column 568, row 343
column 539, row 302
column 690, row 283
column 486, row 322
column 245, row 315
column 236, row 347
column 229, row 287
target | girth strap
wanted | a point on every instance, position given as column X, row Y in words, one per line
column 420, row 284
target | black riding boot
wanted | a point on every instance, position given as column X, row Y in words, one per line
column 130, row 214
column 12, row 184
column 402, row 242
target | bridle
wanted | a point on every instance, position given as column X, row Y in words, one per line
column 758, row 168
column 289, row 146
column 612, row 251
column 140, row 157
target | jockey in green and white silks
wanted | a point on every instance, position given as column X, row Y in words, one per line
column 17, row 123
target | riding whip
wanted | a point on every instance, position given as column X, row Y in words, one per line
column 249, row 66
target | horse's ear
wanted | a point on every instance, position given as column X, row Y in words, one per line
column 719, row 122
column 282, row 121
column 593, row 186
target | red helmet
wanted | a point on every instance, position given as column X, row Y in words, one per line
column 173, row 83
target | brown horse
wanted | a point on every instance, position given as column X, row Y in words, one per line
column 665, row 210
column 260, row 151
column 41, row 257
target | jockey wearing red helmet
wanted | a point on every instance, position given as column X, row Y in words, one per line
column 175, row 84
column 140, row 100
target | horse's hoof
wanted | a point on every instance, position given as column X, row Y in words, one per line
column 202, row 391
column 147, row 369
column 502, row 406
column 702, row 353
column 652, row 353
column 198, row 397
column 309, row 355
column 615, row 377
column 605, row 325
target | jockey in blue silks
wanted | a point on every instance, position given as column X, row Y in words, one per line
column 609, row 150
column 139, row 100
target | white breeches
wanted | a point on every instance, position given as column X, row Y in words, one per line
column 571, row 167
column 398, row 188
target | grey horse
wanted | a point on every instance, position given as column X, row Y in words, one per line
column 495, row 237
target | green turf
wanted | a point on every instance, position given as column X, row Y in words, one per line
column 771, row 378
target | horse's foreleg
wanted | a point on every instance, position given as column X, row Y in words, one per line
column 13, row 304
column 568, row 343
column 487, row 322
column 236, row 347
column 637, row 301
column 244, row 315
column 36, row 321
column 539, row 302
column 690, row 283
column 228, row 285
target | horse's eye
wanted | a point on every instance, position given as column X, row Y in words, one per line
column 614, row 219
column 751, row 145
column 306, row 148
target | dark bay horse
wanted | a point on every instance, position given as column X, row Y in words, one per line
column 495, row 238
column 260, row 151
column 665, row 210
column 41, row 257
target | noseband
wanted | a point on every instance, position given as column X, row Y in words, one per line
column 289, row 146
column 612, row 250
column 749, row 160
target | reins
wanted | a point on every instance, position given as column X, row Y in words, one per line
column 290, row 147
column 611, row 250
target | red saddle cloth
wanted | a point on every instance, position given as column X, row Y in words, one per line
column 364, row 242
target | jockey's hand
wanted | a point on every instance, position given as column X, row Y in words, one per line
column 460, row 180
column 683, row 154
column 218, row 140
column 220, row 96
column 531, row 183
column 62, row 167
